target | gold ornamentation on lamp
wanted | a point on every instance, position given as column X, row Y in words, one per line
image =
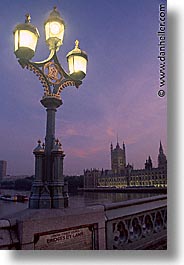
column 53, row 73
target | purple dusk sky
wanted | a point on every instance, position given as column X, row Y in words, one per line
column 118, row 96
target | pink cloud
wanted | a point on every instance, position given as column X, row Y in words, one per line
column 85, row 153
column 110, row 132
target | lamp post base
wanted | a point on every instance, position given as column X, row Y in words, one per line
column 40, row 196
column 60, row 202
column 49, row 195
column 46, row 202
column 60, row 196
column 43, row 202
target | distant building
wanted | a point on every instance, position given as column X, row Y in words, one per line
column 162, row 160
column 118, row 159
column 91, row 178
column 122, row 175
column 3, row 167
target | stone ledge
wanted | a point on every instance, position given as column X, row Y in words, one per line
column 33, row 222
column 131, row 209
column 134, row 202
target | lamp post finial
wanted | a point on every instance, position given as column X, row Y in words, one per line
column 28, row 18
column 77, row 44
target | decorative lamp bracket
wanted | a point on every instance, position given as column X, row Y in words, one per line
column 51, row 75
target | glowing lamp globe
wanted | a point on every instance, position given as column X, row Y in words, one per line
column 54, row 30
column 77, row 62
column 25, row 39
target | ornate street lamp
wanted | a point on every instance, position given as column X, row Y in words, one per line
column 48, row 189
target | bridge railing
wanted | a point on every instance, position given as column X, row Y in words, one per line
column 137, row 224
column 134, row 224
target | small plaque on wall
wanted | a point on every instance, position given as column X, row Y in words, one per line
column 75, row 239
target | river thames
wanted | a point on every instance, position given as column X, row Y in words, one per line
column 75, row 200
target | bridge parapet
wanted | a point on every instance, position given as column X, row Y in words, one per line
column 135, row 224
column 8, row 234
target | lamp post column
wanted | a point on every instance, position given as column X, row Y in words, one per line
column 51, row 104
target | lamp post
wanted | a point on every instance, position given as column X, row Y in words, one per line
column 48, row 189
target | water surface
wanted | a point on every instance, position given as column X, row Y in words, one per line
column 81, row 199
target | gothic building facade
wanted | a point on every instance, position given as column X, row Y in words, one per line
column 124, row 175
column 118, row 159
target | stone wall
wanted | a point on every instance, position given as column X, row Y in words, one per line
column 135, row 224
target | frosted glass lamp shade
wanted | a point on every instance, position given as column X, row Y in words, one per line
column 54, row 30
column 25, row 39
column 77, row 62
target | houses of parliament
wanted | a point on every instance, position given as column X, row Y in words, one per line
column 124, row 175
